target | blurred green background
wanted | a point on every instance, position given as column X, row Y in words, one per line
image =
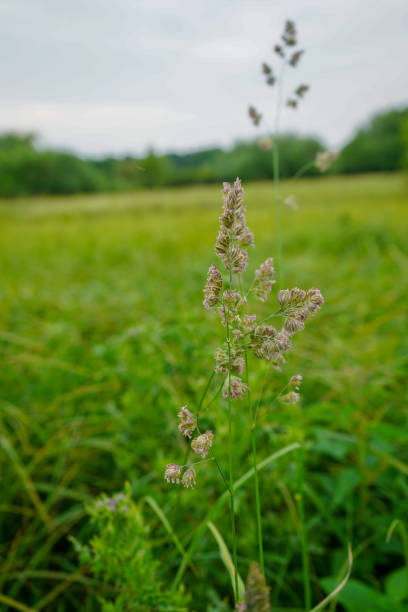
column 103, row 337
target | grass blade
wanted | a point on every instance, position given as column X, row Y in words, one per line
column 339, row 587
column 28, row 484
column 159, row 512
column 12, row 603
column 399, row 465
column 226, row 558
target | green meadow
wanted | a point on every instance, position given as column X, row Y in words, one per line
column 103, row 337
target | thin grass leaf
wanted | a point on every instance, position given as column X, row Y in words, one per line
column 58, row 589
column 15, row 604
column 404, row 537
column 51, row 363
column 339, row 587
column 85, row 390
column 54, row 575
column 399, row 465
column 226, row 558
column 11, row 555
column 28, row 484
column 160, row 514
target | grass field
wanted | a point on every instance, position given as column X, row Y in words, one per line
column 103, row 336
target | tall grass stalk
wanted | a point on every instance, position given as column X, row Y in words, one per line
column 276, row 177
column 303, row 533
column 230, row 441
column 242, row 333
column 289, row 39
column 252, row 416
column 256, row 479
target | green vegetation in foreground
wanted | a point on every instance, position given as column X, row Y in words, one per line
column 103, row 337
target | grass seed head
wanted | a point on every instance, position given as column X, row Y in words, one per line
column 296, row 381
column 189, row 478
column 290, row 398
column 256, row 597
column 263, row 279
column 173, row 473
column 301, row 90
column 297, row 305
column 324, row 160
column 188, row 422
column 279, row 50
column 290, row 202
column 295, row 58
column 212, row 288
column 238, row 388
column 223, row 359
column 202, row 444
column 289, row 34
column 254, row 115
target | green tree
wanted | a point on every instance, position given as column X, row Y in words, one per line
column 377, row 147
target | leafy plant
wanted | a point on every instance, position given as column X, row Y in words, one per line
column 119, row 554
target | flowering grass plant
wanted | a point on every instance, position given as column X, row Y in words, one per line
column 225, row 293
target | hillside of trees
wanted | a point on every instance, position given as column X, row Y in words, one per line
column 25, row 169
column 380, row 146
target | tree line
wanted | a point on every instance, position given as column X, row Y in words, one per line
column 381, row 145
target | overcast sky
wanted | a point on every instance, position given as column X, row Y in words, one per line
column 116, row 76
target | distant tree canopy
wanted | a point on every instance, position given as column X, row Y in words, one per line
column 382, row 145
column 26, row 171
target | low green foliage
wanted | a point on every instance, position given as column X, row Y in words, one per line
column 103, row 337
column 119, row 554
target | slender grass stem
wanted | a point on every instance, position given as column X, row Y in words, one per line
column 303, row 533
column 277, row 210
column 227, row 486
column 230, row 448
column 200, row 405
column 215, row 396
column 265, row 380
column 256, row 479
column 299, row 498
column 276, row 176
column 254, row 461
column 303, row 169
column 404, row 537
column 202, row 461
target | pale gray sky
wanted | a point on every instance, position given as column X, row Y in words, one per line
column 101, row 76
